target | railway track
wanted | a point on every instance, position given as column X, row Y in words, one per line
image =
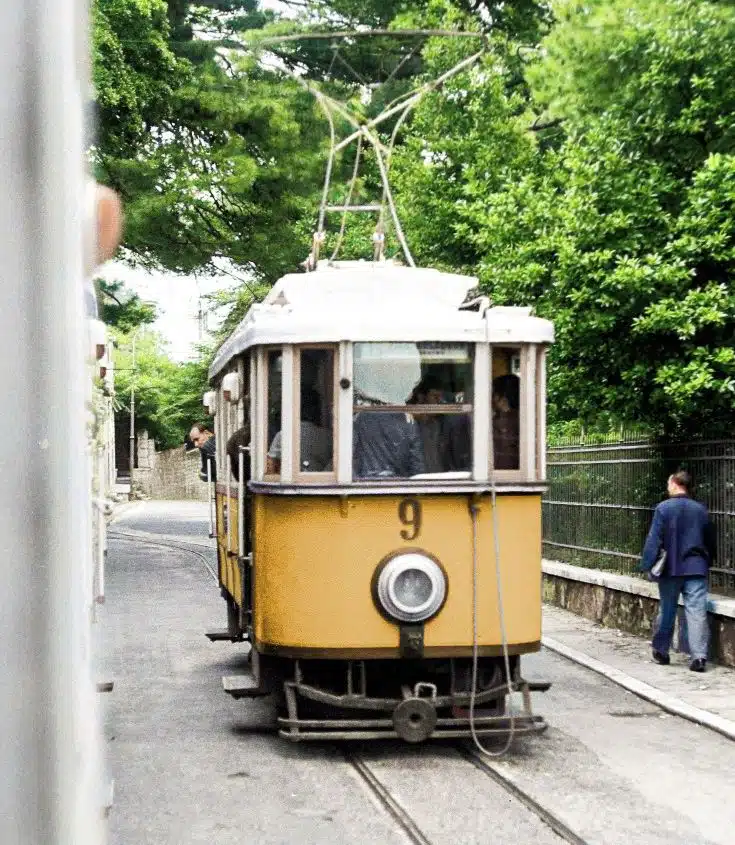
column 390, row 803
column 166, row 543
column 546, row 816
column 412, row 828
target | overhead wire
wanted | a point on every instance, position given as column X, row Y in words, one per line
column 402, row 106
column 364, row 33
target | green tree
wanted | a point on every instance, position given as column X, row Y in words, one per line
column 691, row 328
column 645, row 210
column 135, row 74
column 217, row 154
column 660, row 68
column 214, row 154
column 168, row 395
column 121, row 308
column 616, row 220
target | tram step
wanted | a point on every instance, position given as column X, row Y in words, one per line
column 243, row 686
column 223, row 636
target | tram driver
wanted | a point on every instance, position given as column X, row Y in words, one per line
column 386, row 445
column 386, row 441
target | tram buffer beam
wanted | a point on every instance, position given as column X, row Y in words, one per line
column 243, row 686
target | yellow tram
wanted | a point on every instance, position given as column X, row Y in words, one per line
column 380, row 433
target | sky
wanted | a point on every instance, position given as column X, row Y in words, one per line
column 177, row 301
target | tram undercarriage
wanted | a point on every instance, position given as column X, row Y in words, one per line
column 383, row 699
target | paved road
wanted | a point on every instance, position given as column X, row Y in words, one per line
column 192, row 766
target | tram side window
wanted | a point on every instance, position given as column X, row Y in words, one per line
column 316, row 405
column 273, row 458
column 413, row 409
column 506, row 404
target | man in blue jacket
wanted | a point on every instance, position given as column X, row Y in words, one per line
column 683, row 529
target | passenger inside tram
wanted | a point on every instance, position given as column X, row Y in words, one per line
column 411, row 412
column 239, row 441
column 457, row 452
column 386, row 440
column 506, row 422
column 386, row 445
column 315, row 441
column 431, row 426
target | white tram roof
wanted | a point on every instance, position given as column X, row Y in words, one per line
column 366, row 301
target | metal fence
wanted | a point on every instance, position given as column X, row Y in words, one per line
column 601, row 499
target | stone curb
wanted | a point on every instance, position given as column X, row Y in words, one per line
column 666, row 702
column 121, row 507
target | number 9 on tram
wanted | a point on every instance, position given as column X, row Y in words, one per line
column 381, row 455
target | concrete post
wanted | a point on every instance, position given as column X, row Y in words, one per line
column 49, row 742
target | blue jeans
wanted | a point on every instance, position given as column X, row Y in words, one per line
column 694, row 591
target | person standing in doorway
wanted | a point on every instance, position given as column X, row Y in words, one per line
column 506, row 422
column 682, row 528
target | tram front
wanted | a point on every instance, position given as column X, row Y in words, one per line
column 384, row 555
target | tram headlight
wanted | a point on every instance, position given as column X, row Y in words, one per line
column 411, row 587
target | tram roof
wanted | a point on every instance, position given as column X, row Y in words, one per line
column 366, row 301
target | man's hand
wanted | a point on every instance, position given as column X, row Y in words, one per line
column 109, row 216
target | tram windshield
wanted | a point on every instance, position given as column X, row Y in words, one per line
column 413, row 409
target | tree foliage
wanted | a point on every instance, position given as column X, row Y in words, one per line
column 585, row 166
column 121, row 308
column 616, row 221
column 168, row 395
column 201, row 143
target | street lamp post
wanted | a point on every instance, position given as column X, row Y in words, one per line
column 132, row 421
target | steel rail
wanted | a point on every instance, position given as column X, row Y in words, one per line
column 395, row 810
column 116, row 534
column 550, row 819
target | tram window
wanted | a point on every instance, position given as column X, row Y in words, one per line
column 506, row 404
column 273, row 458
column 413, row 409
column 316, row 407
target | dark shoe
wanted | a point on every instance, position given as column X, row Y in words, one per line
column 663, row 659
column 698, row 665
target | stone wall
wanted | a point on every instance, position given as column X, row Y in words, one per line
column 172, row 474
column 629, row 604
